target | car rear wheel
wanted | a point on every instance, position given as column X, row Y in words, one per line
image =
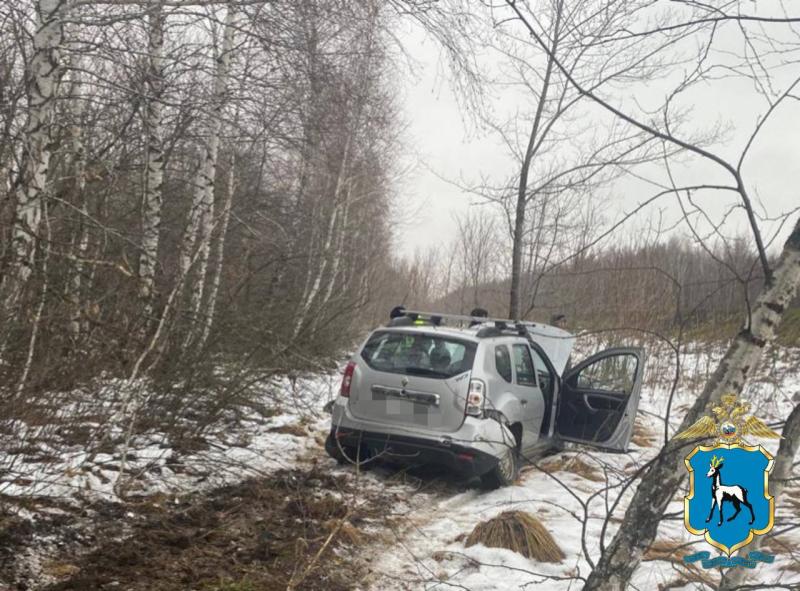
column 333, row 450
column 505, row 472
column 348, row 454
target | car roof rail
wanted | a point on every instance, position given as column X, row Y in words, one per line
column 499, row 326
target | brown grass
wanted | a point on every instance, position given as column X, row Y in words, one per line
column 778, row 545
column 520, row 532
column 668, row 550
column 323, row 508
column 294, row 429
column 59, row 570
column 574, row 465
column 642, row 436
column 347, row 534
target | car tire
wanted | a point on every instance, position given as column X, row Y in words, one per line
column 333, row 450
column 505, row 472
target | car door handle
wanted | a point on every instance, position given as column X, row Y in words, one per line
column 523, row 402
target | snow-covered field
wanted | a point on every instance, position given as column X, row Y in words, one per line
column 40, row 460
column 431, row 553
column 422, row 538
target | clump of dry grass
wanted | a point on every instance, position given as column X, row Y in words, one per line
column 347, row 533
column 575, row 465
column 642, row 436
column 520, row 532
column 321, row 508
column 668, row 550
column 292, row 429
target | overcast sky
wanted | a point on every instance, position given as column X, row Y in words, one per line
column 443, row 143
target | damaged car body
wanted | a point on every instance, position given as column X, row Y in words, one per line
column 480, row 397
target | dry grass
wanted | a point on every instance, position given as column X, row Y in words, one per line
column 295, row 429
column 669, row 550
column 575, row 465
column 642, row 436
column 520, row 532
column 347, row 534
column 324, row 507
column 60, row 570
column 777, row 545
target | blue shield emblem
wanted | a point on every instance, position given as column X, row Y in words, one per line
column 729, row 500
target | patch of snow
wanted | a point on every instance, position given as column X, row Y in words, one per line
column 429, row 552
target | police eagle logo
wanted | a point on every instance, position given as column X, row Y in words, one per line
column 729, row 501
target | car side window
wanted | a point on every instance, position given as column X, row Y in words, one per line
column 542, row 372
column 502, row 361
column 615, row 373
column 526, row 376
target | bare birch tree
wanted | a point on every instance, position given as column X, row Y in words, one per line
column 154, row 170
column 661, row 480
column 43, row 74
column 201, row 214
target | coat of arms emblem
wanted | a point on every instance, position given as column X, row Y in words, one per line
column 729, row 501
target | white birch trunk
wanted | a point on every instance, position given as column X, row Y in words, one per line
column 660, row 482
column 311, row 293
column 154, row 171
column 779, row 480
column 81, row 239
column 37, row 318
column 42, row 82
column 339, row 254
column 220, row 254
column 198, row 229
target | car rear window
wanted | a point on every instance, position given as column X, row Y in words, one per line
column 418, row 354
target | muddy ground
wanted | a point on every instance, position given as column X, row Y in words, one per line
column 309, row 528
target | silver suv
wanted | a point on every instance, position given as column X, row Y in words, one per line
column 478, row 397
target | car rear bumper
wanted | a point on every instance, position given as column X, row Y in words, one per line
column 463, row 459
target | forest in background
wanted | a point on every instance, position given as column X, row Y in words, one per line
column 182, row 183
column 189, row 185
column 197, row 196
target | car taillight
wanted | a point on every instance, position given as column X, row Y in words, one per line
column 347, row 379
column 475, row 398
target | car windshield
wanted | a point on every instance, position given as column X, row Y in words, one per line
column 418, row 354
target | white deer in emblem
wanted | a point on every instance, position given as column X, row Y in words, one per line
column 721, row 493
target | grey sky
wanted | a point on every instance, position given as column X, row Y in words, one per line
column 442, row 143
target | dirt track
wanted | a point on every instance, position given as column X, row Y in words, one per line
column 260, row 534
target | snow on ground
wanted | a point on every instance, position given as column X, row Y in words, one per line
column 50, row 461
column 430, row 552
column 59, row 469
column 425, row 527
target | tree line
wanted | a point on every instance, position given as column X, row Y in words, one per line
column 183, row 180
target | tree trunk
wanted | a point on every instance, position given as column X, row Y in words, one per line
column 154, row 172
column 80, row 243
column 660, row 482
column 522, row 189
column 220, row 252
column 42, row 85
column 790, row 444
column 201, row 216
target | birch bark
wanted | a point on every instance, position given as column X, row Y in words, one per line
column 790, row 444
column 660, row 482
column 310, row 294
column 42, row 82
column 81, row 238
column 220, row 253
column 198, row 229
column 154, row 171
